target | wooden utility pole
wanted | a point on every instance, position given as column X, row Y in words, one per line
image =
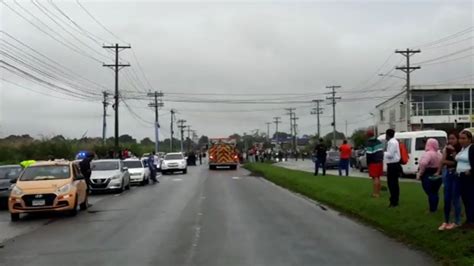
column 408, row 69
column 157, row 103
column 116, row 67
column 333, row 100
column 318, row 111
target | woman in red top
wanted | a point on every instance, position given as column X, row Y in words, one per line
column 346, row 152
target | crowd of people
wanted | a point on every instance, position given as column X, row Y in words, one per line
column 451, row 168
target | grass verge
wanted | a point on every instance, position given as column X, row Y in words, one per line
column 409, row 223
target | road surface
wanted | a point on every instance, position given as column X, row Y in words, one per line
column 204, row 218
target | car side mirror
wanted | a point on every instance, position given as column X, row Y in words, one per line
column 13, row 180
column 79, row 177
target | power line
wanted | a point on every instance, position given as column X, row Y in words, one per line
column 98, row 22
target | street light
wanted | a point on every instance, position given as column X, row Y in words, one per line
column 392, row 76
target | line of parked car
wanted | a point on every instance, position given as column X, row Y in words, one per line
column 59, row 185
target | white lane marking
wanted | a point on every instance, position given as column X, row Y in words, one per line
column 177, row 179
column 235, row 177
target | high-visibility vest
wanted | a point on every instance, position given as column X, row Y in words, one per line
column 27, row 163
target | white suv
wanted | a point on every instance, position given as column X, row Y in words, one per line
column 174, row 162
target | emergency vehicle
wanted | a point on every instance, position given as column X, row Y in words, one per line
column 222, row 152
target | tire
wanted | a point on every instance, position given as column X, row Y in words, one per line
column 122, row 188
column 212, row 167
column 85, row 204
column 233, row 167
column 144, row 182
column 73, row 212
column 361, row 169
column 128, row 185
column 185, row 171
column 14, row 217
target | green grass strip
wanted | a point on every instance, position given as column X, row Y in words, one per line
column 410, row 222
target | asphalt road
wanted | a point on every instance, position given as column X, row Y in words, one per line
column 204, row 218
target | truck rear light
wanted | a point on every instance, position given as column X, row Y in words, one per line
column 211, row 157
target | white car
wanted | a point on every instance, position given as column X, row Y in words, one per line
column 109, row 175
column 174, row 162
column 139, row 172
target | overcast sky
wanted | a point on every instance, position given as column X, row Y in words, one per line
column 252, row 50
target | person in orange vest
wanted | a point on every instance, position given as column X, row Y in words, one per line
column 345, row 156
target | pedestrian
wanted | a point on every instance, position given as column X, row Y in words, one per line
column 86, row 170
column 392, row 159
column 452, row 194
column 345, row 155
column 428, row 167
column 200, row 158
column 152, row 167
column 464, row 168
column 374, row 156
column 321, row 153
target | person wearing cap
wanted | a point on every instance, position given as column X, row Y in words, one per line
column 85, row 167
column 374, row 156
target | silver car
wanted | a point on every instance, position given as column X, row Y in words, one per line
column 109, row 175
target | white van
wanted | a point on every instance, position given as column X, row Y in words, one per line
column 415, row 143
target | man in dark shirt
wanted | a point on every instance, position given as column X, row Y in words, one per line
column 85, row 167
column 320, row 151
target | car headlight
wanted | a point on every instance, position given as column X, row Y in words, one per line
column 64, row 189
column 16, row 191
column 115, row 177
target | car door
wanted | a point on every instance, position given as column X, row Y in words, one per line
column 80, row 184
column 125, row 174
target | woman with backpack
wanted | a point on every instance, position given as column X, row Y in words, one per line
column 465, row 168
column 429, row 165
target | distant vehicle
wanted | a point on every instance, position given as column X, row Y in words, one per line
column 415, row 143
column 362, row 161
column 109, row 175
column 48, row 186
column 222, row 152
column 7, row 173
column 174, row 162
column 139, row 172
column 332, row 159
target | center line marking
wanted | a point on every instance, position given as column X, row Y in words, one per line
column 177, row 179
column 235, row 177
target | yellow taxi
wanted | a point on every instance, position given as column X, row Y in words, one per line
column 48, row 186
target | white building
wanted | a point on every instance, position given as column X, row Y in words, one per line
column 441, row 107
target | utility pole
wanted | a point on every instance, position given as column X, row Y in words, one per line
column 117, row 66
column 181, row 126
column 295, row 144
column 318, row 111
column 408, row 69
column 276, row 120
column 104, row 123
column 172, row 111
column 291, row 113
column 188, row 128
column 157, row 103
column 333, row 99
column 346, row 129
column 268, row 130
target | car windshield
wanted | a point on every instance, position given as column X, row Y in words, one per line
column 173, row 157
column 48, row 172
column 333, row 154
column 104, row 166
column 9, row 172
column 133, row 164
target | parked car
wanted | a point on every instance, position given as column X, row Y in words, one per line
column 332, row 160
column 109, row 175
column 174, row 162
column 139, row 172
column 46, row 187
column 7, row 173
column 362, row 161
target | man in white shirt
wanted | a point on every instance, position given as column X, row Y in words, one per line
column 392, row 159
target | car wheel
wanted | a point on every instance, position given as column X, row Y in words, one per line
column 361, row 169
column 14, row 217
column 85, row 204
column 128, row 185
column 185, row 171
column 122, row 188
column 73, row 212
column 144, row 181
